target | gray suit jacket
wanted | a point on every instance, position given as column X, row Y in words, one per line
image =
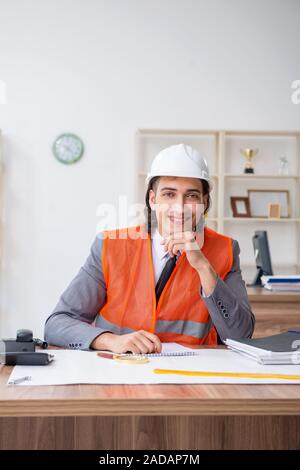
column 72, row 323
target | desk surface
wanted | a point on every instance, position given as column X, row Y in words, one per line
column 260, row 294
column 151, row 400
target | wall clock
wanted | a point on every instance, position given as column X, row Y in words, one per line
column 68, row 148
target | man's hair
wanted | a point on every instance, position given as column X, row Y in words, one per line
column 150, row 214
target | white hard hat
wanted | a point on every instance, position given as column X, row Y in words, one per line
column 179, row 160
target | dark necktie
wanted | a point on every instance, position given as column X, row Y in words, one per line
column 163, row 278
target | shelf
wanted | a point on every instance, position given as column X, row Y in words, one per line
column 260, row 219
column 275, row 265
column 255, row 176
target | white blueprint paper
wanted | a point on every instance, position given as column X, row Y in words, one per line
column 85, row 367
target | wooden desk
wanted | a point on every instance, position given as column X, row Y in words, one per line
column 149, row 416
column 274, row 311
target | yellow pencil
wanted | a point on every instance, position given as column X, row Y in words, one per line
column 243, row 375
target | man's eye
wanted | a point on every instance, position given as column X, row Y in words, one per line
column 168, row 194
column 193, row 196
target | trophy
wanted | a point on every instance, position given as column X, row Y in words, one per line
column 283, row 166
column 249, row 154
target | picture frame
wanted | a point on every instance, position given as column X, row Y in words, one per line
column 274, row 211
column 261, row 199
column 240, row 206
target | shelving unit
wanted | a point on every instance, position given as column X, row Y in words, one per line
column 1, row 202
column 222, row 151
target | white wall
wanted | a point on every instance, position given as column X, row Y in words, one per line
column 102, row 69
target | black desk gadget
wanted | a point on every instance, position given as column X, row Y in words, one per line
column 21, row 350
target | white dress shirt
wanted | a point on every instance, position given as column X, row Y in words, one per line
column 159, row 255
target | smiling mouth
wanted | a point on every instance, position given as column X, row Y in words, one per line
column 178, row 220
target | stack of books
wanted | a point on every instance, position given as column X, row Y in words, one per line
column 282, row 283
column 283, row 348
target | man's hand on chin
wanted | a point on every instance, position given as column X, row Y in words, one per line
column 191, row 243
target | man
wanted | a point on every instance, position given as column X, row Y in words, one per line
column 174, row 281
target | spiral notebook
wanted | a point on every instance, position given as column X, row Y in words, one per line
column 172, row 349
column 174, row 353
column 168, row 349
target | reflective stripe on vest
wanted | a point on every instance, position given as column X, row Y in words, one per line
column 181, row 314
column 182, row 327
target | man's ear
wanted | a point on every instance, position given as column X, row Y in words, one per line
column 152, row 199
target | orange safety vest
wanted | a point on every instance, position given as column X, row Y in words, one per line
column 181, row 314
